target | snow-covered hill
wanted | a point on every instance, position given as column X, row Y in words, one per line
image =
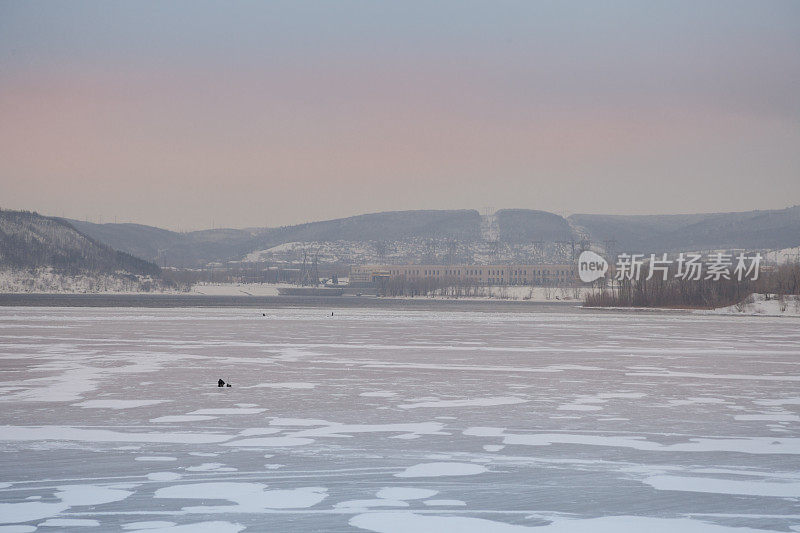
column 42, row 254
column 508, row 235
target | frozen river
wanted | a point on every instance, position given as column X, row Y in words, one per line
column 397, row 421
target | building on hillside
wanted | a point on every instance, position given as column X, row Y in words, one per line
column 534, row 274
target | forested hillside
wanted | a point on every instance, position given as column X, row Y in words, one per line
column 518, row 235
column 43, row 253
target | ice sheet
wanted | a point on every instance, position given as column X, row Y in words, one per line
column 393, row 420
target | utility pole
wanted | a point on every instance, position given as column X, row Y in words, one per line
column 315, row 269
column 304, row 269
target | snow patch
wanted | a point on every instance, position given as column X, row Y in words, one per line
column 69, row 522
column 478, row 402
column 248, row 497
column 725, row 486
column 182, row 418
column 442, row 469
column 117, row 404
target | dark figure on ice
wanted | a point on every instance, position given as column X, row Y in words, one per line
column 220, row 383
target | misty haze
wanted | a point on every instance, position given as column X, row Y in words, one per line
column 400, row 267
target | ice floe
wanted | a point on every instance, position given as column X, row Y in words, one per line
column 477, row 402
column 248, row 497
column 73, row 495
column 229, row 411
column 61, row 433
column 147, row 524
column 284, row 385
column 163, row 476
column 210, row 467
column 270, row 442
column 752, row 445
column 445, row 503
column 11, row 513
column 725, row 486
column 405, row 493
column 410, row 522
column 216, row 526
column 117, row 404
column 182, row 418
column 17, row 529
column 69, row 522
column 442, row 469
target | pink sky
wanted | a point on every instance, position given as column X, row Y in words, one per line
column 326, row 121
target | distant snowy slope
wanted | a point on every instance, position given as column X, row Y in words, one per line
column 409, row 235
column 200, row 247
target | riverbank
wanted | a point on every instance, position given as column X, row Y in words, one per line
column 275, row 302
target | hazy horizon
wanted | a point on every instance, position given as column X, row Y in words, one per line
column 116, row 220
column 185, row 115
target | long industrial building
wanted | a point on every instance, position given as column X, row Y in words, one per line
column 536, row 274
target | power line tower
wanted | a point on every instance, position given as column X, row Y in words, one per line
column 309, row 272
column 304, row 268
column 315, row 269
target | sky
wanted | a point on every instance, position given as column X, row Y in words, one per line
column 195, row 114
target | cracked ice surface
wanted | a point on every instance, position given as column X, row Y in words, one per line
column 397, row 421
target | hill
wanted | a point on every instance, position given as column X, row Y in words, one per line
column 454, row 236
column 198, row 248
column 526, row 225
column 767, row 229
column 34, row 247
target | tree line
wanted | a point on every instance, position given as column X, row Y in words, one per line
column 678, row 292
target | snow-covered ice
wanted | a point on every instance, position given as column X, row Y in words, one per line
column 442, row 469
column 389, row 420
column 477, row 402
column 117, row 404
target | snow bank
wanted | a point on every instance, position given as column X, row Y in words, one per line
column 763, row 305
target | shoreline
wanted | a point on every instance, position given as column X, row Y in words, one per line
column 194, row 300
column 158, row 300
